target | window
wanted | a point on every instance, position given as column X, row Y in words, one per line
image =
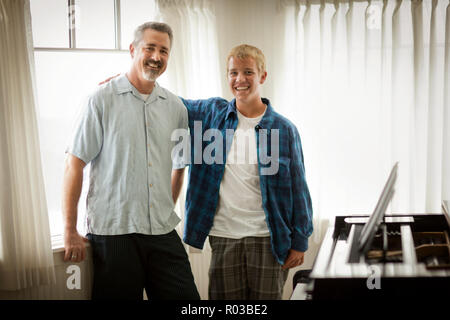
column 94, row 25
column 78, row 43
column 50, row 27
column 132, row 14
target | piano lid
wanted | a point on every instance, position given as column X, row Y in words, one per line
column 371, row 227
column 446, row 210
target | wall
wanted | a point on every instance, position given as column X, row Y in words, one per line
column 59, row 290
column 247, row 22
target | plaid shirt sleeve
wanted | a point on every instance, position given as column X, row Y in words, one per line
column 302, row 208
column 197, row 109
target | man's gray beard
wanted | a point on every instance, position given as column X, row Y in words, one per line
column 150, row 75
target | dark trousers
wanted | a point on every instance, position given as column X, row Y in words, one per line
column 126, row 264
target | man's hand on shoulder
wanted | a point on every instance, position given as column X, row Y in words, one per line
column 109, row 79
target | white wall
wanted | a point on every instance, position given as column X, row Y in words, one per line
column 59, row 290
column 249, row 22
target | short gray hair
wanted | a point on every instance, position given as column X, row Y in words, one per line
column 157, row 26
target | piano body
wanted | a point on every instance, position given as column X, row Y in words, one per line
column 409, row 256
column 384, row 255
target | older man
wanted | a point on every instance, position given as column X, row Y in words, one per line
column 125, row 136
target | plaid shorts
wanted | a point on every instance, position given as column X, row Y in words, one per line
column 244, row 269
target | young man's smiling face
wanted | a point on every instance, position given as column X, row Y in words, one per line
column 244, row 79
column 150, row 57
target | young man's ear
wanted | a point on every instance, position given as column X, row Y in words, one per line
column 263, row 77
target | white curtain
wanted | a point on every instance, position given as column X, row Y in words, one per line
column 26, row 259
column 367, row 84
column 193, row 73
column 194, row 63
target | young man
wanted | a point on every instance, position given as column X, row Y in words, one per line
column 125, row 136
column 257, row 213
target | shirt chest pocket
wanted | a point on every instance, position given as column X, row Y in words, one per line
column 279, row 188
column 282, row 177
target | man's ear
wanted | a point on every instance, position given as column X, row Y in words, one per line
column 131, row 50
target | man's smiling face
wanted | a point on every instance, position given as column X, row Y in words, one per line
column 150, row 57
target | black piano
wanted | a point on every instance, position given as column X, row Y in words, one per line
column 382, row 256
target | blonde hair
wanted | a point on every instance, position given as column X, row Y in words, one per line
column 244, row 51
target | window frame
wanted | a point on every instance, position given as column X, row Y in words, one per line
column 72, row 32
column 57, row 238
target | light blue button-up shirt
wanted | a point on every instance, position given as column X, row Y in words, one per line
column 128, row 143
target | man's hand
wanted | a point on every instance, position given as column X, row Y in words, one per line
column 294, row 259
column 74, row 246
column 107, row 80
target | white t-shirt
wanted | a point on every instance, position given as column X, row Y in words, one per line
column 144, row 96
column 239, row 212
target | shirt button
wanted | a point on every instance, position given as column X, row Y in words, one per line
column 151, row 206
column 151, row 185
column 149, row 164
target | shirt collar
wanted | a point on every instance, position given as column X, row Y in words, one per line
column 266, row 120
column 124, row 85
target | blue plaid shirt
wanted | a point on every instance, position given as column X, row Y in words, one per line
column 285, row 195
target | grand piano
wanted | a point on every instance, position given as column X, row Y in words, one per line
column 382, row 256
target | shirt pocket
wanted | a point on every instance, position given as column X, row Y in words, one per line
column 279, row 189
column 282, row 177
